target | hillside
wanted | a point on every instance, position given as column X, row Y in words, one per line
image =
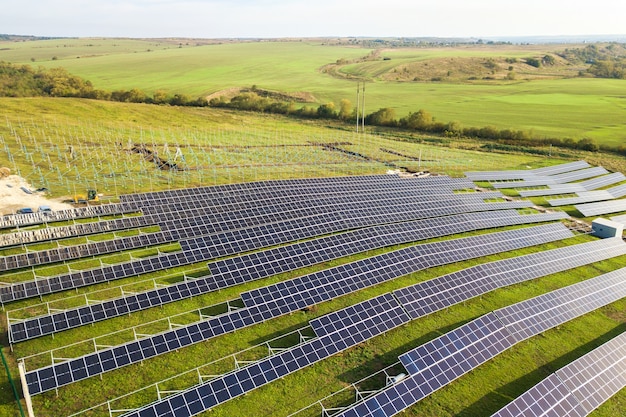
column 549, row 101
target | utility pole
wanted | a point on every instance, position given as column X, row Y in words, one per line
column 357, row 106
column 363, row 109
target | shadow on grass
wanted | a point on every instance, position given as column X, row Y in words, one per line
column 497, row 399
column 380, row 362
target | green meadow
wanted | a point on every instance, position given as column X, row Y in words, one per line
column 223, row 146
column 549, row 103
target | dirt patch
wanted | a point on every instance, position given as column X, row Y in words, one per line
column 13, row 197
column 297, row 96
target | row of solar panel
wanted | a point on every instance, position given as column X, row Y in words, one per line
column 17, row 220
column 238, row 241
column 589, row 185
column 370, row 320
column 67, row 253
column 273, row 261
column 429, row 296
column 181, row 210
column 513, row 175
column 553, row 179
column 273, row 186
column 258, row 265
column 446, row 358
column 215, row 223
column 578, row 388
column 591, row 196
column 301, row 293
column 264, row 197
column 267, row 197
column 79, row 229
column 431, row 365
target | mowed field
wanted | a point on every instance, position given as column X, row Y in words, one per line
column 542, row 102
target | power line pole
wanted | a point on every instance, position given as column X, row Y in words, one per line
column 357, row 106
column 363, row 109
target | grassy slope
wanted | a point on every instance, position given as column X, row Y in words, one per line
column 215, row 144
column 554, row 107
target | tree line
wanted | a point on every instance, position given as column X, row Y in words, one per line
column 26, row 81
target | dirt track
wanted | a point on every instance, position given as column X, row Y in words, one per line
column 12, row 197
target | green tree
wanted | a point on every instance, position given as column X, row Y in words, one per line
column 382, row 117
column 327, row 111
column 345, row 109
column 421, row 120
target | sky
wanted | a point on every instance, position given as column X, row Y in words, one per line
column 311, row 18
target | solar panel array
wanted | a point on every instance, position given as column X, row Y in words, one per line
column 79, row 229
column 258, row 222
column 436, row 294
column 591, row 196
column 292, row 295
column 258, row 265
column 238, row 241
column 442, row 360
column 67, row 253
column 274, row 186
column 19, row 220
column 576, row 389
column 577, row 187
column 598, row 209
column 553, row 178
column 324, row 285
column 519, row 174
column 269, row 262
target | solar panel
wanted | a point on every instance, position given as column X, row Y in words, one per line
column 252, row 189
column 429, row 296
column 68, row 253
column 605, row 207
column 238, row 241
column 549, row 398
column 598, row 375
column 327, row 284
column 384, row 306
column 444, row 359
column 533, row 316
column 553, row 189
column 619, row 219
column 578, row 174
column 297, row 296
column 582, row 197
column 553, row 178
column 525, row 174
column 358, row 323
column 273, row 261
column 258, row 265
column 578, row 388
column 603, row 181
column 80, row 229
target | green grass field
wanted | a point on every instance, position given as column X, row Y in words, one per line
column 219, row 147
column 224, row 147
column 552, row 107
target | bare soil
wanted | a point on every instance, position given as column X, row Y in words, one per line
column 12, row 197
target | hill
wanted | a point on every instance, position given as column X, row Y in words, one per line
column 549, row 101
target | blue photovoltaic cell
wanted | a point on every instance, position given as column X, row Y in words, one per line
column 444, row 359
column 300, row 295
column 531, row 317
column 426, row 297
column 257, row 265
column 237, row 241
column 549, row 398
column 576, row 389
column 367, row 320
